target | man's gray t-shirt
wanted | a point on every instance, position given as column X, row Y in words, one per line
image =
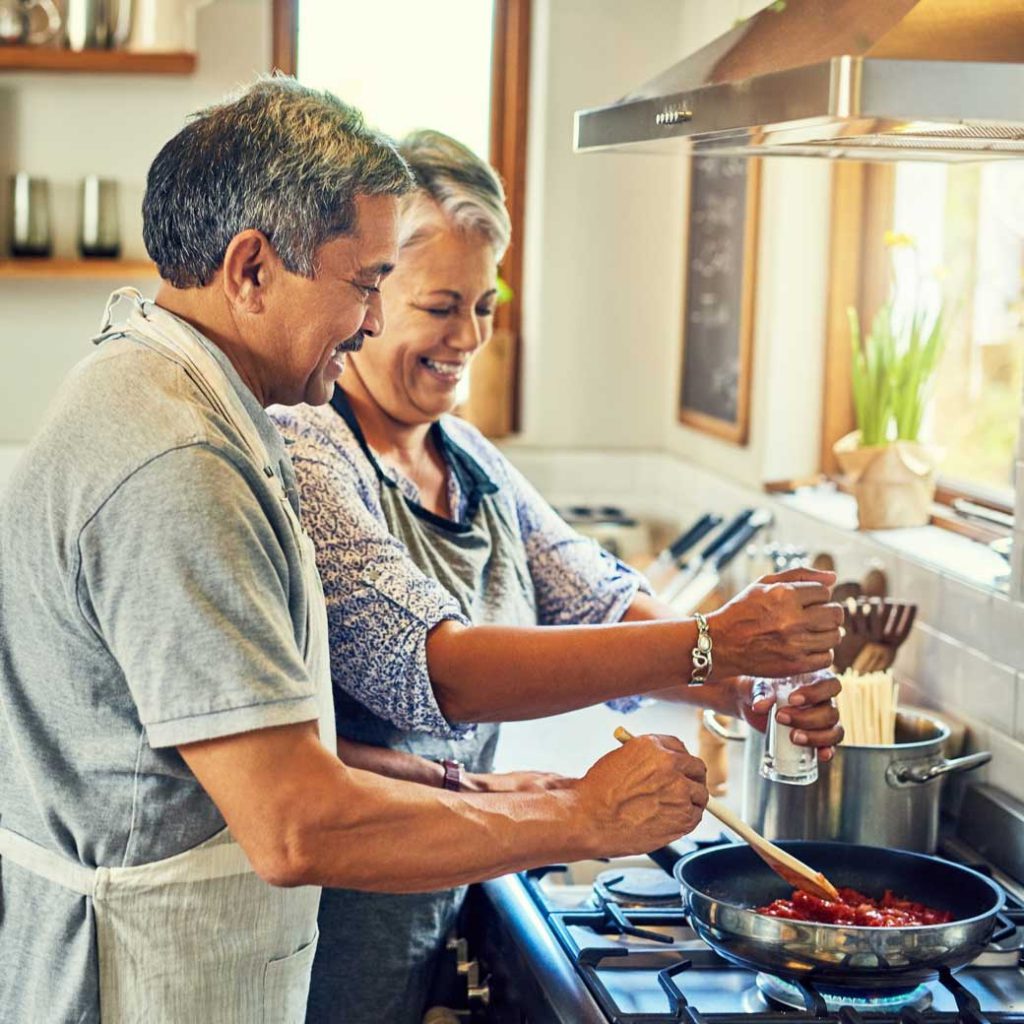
column 151, row 595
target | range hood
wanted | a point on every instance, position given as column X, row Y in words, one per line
column 861, row 79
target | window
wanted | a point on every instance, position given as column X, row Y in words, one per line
column 433, row 72
column 967, row 222
column 460, row 66
column 968, row 231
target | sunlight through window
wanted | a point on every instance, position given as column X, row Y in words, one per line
column 405, row 63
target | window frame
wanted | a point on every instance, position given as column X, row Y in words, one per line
column 495, row 376
column 863, row 197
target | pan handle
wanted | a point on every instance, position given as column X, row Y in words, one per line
column 905, row 774
column 713, row 725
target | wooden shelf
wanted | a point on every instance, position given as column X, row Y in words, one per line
column 27, row 268
column 115, row 62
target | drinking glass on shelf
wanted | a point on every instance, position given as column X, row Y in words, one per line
column 29, row 228
column 98, row 225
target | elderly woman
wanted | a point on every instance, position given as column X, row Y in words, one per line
column 439, row 559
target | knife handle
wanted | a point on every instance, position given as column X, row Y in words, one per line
column 739, row 540
column 694, row 535
column 725, row 534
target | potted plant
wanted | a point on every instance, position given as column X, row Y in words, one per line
column 893, row 368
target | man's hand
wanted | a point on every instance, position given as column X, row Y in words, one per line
column 643, row 795
column 785, row 624
column 812, row 712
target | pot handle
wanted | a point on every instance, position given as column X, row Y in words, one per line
column 713, row 725
column 908, row 774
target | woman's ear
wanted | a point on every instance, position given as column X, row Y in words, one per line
column 250, row 264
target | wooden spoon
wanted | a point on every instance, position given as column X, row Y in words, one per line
column 795, row 872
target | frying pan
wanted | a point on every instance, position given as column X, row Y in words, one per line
column 722, row 885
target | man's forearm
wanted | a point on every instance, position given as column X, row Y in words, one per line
column 328, row 824
column 459, row 838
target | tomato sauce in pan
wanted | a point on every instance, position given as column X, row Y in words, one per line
column 854, row 908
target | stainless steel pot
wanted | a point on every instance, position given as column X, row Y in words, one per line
column 872, row 795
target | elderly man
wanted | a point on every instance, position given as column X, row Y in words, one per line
column 171, row 797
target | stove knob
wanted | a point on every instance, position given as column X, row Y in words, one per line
column 460, row 947
column 476, row 991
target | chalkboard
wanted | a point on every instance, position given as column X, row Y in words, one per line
column 718, row 295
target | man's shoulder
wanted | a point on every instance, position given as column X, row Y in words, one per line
column 129, row 392
column 119, row 409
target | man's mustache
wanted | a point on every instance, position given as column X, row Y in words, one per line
column 354, row 344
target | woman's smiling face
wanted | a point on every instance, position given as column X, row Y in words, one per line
column 439, row 306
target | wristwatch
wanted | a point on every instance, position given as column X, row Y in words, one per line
column 452, row 774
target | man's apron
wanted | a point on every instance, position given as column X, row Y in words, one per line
column 378, row 952
column 199, row 938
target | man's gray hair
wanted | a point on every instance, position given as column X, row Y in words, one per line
column 281, row 158
column 466, row 188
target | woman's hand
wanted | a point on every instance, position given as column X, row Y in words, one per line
column 811, row 713
column 785, row 624
column 514, row 782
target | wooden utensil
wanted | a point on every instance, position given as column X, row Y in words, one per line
column 887, row 635
column 852, row 643
column 795, row 872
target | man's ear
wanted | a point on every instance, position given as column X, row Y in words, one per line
column 250, row 265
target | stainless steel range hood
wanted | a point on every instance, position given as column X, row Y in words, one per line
column 861, row 79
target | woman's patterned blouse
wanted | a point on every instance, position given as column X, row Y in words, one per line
column 381, row 606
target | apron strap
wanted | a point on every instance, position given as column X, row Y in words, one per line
column 52, row 866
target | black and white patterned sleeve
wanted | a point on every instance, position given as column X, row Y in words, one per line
column 380, row 606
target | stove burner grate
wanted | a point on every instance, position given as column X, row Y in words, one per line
column 637, row 887
column 786, row 993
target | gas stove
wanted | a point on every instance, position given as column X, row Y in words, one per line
column 601, row 942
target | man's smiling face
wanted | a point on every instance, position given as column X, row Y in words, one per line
column 316, row 320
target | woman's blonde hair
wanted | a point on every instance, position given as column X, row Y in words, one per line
column 465, row 188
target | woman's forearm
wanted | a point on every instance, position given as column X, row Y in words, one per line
column 504, row 674
column 394, row 764
column 782, row 625
column 722, row 696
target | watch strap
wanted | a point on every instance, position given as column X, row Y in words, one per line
column 452, row 774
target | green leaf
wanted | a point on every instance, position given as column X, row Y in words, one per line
column 893, row 368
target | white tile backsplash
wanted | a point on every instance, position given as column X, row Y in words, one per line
column 1018, row 730
column 986, row 690
column 1006, row 769
column 963, row 611
column 1004, row 637
column 920, row 584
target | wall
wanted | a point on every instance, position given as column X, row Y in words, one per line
column 603, row 259
column 64, row 126
column 601, row 264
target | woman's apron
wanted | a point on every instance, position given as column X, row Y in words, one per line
column 199, row 938
column 378, row 952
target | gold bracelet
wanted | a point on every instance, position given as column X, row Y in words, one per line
column 701, row 654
